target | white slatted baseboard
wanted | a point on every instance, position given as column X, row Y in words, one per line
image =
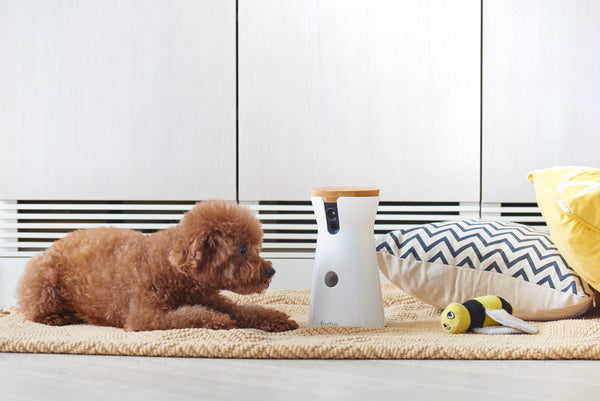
column 28, row 227
column 291, row 230
column 524, row 213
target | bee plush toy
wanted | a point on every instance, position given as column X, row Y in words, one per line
column 484, row 315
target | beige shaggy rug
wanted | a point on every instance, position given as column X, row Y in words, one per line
column 412, row 331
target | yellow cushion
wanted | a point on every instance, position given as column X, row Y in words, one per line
column 569, row 199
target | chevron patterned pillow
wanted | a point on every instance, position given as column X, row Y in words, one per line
column 454, row 261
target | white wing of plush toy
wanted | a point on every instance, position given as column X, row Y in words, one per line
column 509, row 324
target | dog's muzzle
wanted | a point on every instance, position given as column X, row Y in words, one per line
column 269, row 272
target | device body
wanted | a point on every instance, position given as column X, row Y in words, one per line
column 346, row 289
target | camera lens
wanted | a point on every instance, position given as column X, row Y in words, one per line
column 331, row 213
column 332, row 218
column 331, row 279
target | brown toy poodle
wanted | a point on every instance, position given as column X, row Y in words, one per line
column 168, row 280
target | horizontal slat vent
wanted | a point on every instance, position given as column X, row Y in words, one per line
column 524, row 213
column 291, row 230
column 27, row 227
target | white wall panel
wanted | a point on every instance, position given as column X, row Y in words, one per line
column 11, row 270
column 117, row 99
column 373, row 93
column 541, row 91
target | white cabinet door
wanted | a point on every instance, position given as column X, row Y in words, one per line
column 359, row 92
column 541, row 91
column 117, row 99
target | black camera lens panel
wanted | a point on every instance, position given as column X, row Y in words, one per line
column 331, row 214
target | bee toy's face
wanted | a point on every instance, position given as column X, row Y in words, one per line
column 455, row 318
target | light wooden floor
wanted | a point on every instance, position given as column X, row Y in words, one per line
column 70, row 377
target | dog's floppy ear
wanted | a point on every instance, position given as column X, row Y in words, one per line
column 215, row 248
column 211, row 248
column 186, row 256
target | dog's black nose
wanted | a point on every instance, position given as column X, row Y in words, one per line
column 269, row 272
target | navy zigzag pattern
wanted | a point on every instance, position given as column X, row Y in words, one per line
column 483, row 250
column 483, row 257
column 535, row 237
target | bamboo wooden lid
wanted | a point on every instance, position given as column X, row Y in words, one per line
column 331, row 194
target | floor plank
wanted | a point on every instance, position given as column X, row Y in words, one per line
column 30, row 377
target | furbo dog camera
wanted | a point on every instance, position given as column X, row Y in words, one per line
column 346, row 290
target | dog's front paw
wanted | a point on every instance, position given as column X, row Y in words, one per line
column 222, row 323
column 278, row 324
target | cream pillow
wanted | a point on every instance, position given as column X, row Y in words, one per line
column 454, row 261
column 569, row 199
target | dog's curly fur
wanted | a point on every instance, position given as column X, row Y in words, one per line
column 170, row 279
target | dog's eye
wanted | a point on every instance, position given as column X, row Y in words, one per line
column 242, row 249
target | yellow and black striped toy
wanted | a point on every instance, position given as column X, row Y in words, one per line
column 485, row 315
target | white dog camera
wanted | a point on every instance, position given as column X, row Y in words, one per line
column 346, row 290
